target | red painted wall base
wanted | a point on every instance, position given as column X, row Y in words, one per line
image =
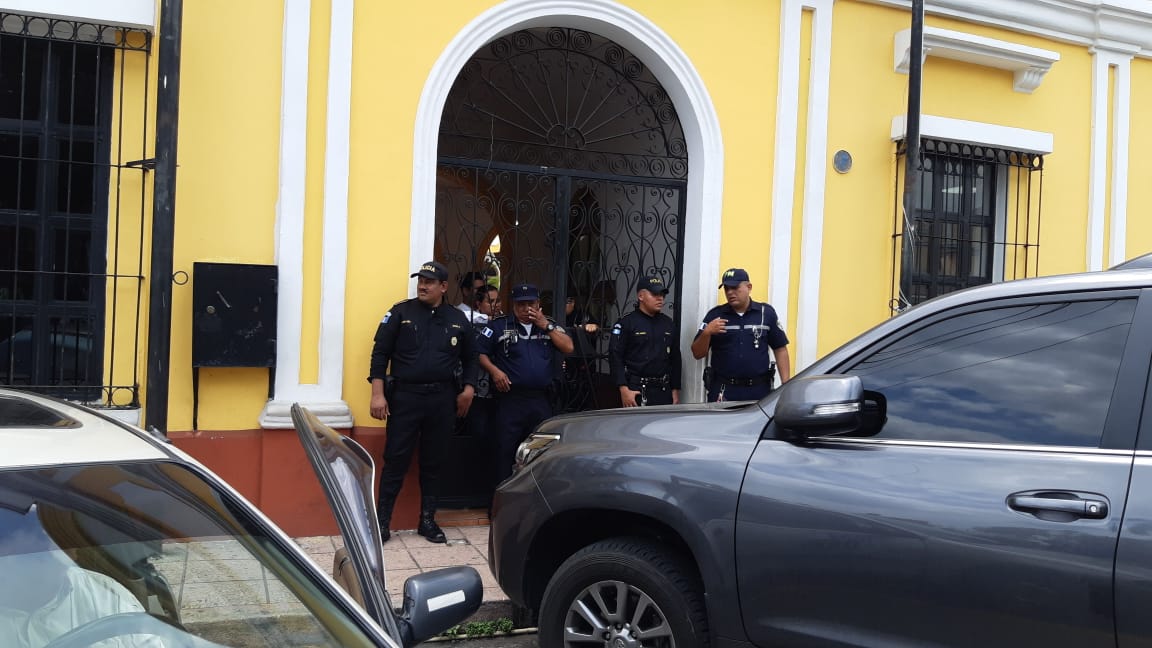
column 270, row 469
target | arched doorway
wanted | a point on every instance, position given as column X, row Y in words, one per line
column 564, row 148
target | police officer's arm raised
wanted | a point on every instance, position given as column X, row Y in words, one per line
column 704, row 338
column 559, row 338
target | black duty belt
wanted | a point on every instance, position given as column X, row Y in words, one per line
column 652, row 381
column 746, row 382
column 424, row 386
column 526, row 392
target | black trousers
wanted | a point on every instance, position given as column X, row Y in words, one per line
column 519, row 413
column 419, row 416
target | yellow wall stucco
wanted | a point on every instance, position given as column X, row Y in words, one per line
column 229, row 159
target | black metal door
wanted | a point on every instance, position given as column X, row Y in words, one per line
column 563, row 164
column 574, row 235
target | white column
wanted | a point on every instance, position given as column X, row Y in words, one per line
column 815, row 172
column 324, row 397
column 1121, row 109
column 1103, row 60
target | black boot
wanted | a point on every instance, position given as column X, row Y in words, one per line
column 428, row 527
column 384, row 515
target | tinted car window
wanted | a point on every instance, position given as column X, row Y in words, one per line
column 1037, row 374
column 179, row 563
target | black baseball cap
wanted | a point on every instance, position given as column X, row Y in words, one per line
column 653, row 284
column 733, row 277
column 432, row 270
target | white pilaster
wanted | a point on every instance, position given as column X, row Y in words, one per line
column 1103, row 60
column 324, row 397
column 815, row 172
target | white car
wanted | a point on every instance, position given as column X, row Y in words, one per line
column 112, row 537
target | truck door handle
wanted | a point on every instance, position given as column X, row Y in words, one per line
column 1052, row 502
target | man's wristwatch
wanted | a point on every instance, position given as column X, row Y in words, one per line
column 551, row 327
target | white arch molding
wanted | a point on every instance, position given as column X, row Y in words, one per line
column 675, row 72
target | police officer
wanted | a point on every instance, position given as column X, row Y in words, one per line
column 744, row 336
column 518, row 350
column 643, row 352
column 421, row 346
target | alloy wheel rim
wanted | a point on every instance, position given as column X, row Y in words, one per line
column 615, row 614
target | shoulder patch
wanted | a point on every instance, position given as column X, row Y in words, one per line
column 616, row 330
column 486, row 332
column 387, row 316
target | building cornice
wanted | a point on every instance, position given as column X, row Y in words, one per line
column 1120, row 25
column 1028, row 64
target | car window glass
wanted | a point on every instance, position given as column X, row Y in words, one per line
column 22, row 413
column 1037, row 374
column 158, row 546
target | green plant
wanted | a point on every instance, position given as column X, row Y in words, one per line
column 480, row 628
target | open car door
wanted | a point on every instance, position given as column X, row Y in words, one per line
column 433, row 601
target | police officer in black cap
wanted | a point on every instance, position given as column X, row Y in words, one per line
column 744, row 337
column 426, row 343
column 519, row 351
column 643, row 352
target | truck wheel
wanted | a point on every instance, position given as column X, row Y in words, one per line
column 623, row 593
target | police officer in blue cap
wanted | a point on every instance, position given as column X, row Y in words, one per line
column 744, row 337
column 643, row 352
column 421, row 346
column 519, row 351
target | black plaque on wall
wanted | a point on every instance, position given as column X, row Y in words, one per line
column 233, row 315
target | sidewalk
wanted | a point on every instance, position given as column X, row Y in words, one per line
column 407, row 554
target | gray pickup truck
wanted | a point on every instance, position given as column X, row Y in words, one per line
column 976, row 471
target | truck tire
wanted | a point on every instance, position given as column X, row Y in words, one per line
column 628, row 589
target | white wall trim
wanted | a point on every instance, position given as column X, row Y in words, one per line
column 806, row 336
column 1121, row 24
column 671, row 67
column 1028, row 64
column 784, row 161
column 1121, row 137
column 140, row 14
column 290, row 201
column 815, row 175
column 323, row 398
column 981, row 133
column 1102, row 61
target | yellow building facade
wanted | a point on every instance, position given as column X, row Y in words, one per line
column 336, row 140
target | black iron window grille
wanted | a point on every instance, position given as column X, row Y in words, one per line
column 73, row 180
column 975, row 220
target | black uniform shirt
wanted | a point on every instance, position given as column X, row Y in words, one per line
column 424, row 344
column 644, row 346
column 744, row 349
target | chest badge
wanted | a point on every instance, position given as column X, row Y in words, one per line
column 454, row 339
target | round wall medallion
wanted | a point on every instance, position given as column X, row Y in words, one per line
column 842, row 161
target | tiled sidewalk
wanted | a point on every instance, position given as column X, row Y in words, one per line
column 407, row 554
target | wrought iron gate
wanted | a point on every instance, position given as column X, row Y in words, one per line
column 574, row 235
column 562, row 163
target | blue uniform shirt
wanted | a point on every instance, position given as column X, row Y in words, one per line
column 527, row 358
column 744, row 350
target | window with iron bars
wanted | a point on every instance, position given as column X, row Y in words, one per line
column 71, row 207
column 975, row 220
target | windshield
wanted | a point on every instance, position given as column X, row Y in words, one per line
column 150, row 554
